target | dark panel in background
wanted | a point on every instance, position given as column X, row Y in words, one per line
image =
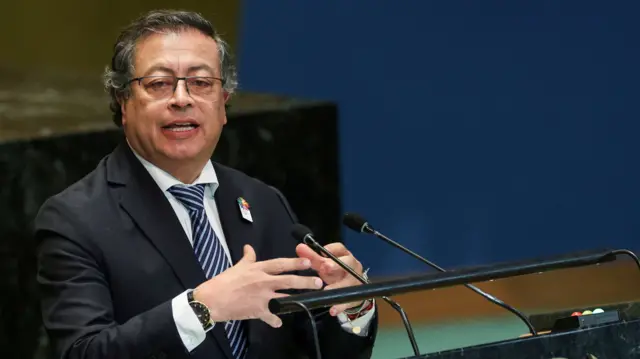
column 264, row 144
column 55, row 126
column 77, row 37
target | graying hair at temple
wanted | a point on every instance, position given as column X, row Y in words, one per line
column 118, row 75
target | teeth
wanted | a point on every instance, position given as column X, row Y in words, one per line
column 181, row 128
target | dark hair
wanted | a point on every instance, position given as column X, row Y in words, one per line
column 118, row 75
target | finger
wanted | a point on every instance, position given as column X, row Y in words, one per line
column 304, row 251
column 296, row 282
column 277, row 295
column 281, row 265
column 339, row 308
column 331, row 268
column 347, row 281
column 271, row 319
column 338, row 249
column 338, row 285
column 249, row 255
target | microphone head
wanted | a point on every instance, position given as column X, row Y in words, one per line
column 355, row 222
column 300, row 231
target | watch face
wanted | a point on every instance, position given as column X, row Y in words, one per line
column 201, row 312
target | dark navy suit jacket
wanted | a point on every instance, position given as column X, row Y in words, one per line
column 112, row 255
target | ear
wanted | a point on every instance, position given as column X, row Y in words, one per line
column 225, row 96
column 123, row 109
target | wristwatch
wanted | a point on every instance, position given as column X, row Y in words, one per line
column 363, row 308
column 360, row 310
column 201, row 311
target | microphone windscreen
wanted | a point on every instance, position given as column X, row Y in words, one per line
column 354, row 221
column 299, row 231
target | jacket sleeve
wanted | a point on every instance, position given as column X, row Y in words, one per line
column 76, row 304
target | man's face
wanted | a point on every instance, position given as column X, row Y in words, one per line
column 183, row 125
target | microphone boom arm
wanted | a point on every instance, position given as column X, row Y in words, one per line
column 486, row 295
column 308, row 240
column 397, row 286
column 358, row 224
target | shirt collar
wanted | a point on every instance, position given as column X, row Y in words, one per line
column 165, row 181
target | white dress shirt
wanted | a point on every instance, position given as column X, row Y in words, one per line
column 187, row 323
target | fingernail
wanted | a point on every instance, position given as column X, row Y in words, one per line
column 318, row 282
column 306, row 262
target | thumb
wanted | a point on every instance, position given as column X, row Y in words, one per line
column 249, row 255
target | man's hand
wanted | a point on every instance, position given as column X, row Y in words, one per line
column 244, row 290
column 331, row 273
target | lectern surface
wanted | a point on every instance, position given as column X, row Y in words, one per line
column 614, row 341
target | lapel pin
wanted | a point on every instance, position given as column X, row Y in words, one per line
column 244, row 209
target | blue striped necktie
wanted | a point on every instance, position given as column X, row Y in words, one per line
column 209, row 252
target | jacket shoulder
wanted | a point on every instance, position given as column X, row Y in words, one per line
column 239, row 177
column 67, row 211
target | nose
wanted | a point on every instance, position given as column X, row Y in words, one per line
column 181, row 97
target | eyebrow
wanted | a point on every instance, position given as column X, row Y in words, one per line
column 163, row 68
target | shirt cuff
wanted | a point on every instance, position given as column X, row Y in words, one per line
column 189, row 328
column 362, row 323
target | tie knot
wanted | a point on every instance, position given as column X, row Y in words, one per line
column 191, row 197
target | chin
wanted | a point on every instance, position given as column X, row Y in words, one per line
column 185, row 151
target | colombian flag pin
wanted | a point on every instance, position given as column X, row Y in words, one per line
column 244, row 209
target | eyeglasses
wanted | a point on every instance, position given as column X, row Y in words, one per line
column 162, row 87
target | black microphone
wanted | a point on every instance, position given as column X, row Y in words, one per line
column 357, row 223
column 304, row 235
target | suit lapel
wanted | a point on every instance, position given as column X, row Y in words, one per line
column 237, row 230
column 143, row 200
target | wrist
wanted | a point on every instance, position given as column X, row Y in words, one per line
column 356, row 308
column 358, row 311
column 363, row 307
column 201, row 310
column 198, row 296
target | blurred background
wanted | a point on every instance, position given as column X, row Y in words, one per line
column 473, row 132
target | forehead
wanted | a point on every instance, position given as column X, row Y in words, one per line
column 176, row 51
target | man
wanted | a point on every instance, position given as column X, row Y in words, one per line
column 157, row 253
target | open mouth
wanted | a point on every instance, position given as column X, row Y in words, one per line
column 180, row 127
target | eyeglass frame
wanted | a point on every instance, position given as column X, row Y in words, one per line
column 177, row 78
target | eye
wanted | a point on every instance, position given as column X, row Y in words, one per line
column 158, row 85
column 200, row 83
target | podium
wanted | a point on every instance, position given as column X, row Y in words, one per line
column 617, row 340
column 615, row 333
